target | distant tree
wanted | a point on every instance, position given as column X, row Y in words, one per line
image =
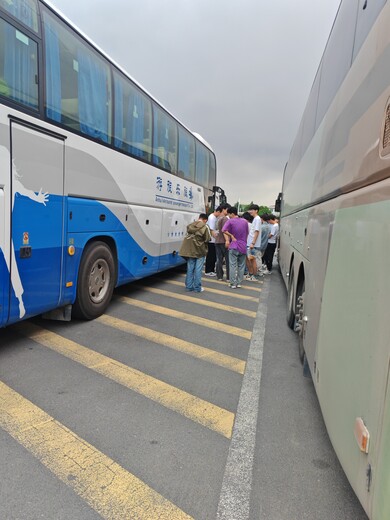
column 244, row 207
column 264, row 209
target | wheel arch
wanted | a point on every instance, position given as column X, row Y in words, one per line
column 110, row 242
column 301, row 275
column 291, row 264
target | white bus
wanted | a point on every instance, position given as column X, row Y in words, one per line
column 97, row 180
column 335, row 245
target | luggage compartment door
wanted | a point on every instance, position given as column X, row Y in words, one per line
column 37, row 221
column 4, row 274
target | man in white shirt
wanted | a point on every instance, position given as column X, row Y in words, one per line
column 211, row 255
column 272, row 241
column 254, row 255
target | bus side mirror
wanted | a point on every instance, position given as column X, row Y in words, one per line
column 278, row 203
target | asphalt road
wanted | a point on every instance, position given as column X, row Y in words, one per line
column 149, row 412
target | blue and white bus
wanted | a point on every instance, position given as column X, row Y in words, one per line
column 97, row 180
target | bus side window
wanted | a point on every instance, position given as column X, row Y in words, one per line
column 133, row 119
column 18, row 66
column 78, row 82
column 337, row 57
column 26, row 11
column 202, row 165
column 186, row 155
column 368, row 13
column 164, row 140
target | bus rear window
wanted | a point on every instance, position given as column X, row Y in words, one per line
column 202, row 165
column 18, row 66
column 186, row 155
column 212, row 171
column 26, row 11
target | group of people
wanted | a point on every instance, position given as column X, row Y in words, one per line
column 244, row 245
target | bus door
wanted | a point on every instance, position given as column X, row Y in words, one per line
column 37, row 220
column 4, row 274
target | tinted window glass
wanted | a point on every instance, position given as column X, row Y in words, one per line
column 133, row 119
column 186, row 155
column 26, row 11
column 78, row 91
column 18, row 66
column 212, row 171
column 309, row 116
column 338, row 56
column 368, row 13
column 164, row 141
column 202, row 165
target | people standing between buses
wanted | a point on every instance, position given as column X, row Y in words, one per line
column 194, row 250
column 272, row 239
column 236, row 234
column 254, row 256
column 211, row 255
column 221, row 251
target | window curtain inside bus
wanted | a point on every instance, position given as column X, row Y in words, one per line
column 23, row 10
column 93, row 96
column 118, row 141
column 202, row 166
column 20, row 67
column 135, row 124
column 160, row 140
column 53, row 74
column 184, row 155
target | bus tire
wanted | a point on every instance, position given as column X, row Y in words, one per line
column 96, row 281
column 299, row 324
column 291, row 300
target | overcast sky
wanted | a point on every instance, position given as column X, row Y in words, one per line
column 238, row 72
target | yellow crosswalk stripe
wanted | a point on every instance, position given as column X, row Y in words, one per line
column 109, row 489
column 194, row 408
column 229, row 292
column 203, row 322
column 253, row 287
column 198, row 301
column 205, row 354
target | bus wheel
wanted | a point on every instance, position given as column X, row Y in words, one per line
column 299, row 320
column 291, row 300
column 96, row 281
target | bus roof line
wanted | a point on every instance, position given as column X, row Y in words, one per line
column 121, row 69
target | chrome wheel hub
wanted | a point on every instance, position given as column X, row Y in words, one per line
column 99, row 281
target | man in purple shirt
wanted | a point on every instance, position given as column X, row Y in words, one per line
column 236, row 234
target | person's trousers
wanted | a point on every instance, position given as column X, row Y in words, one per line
column 221, row 253
column 194, row 274
column 269, row 256
column 210, row 258
column 236, row 266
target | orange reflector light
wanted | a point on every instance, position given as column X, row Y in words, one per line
column 362, row 435
column 71, row 250
column 69, row 284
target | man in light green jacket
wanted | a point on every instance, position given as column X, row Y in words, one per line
column 194, row 250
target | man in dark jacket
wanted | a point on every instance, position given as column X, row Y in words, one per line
column 194, row 250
